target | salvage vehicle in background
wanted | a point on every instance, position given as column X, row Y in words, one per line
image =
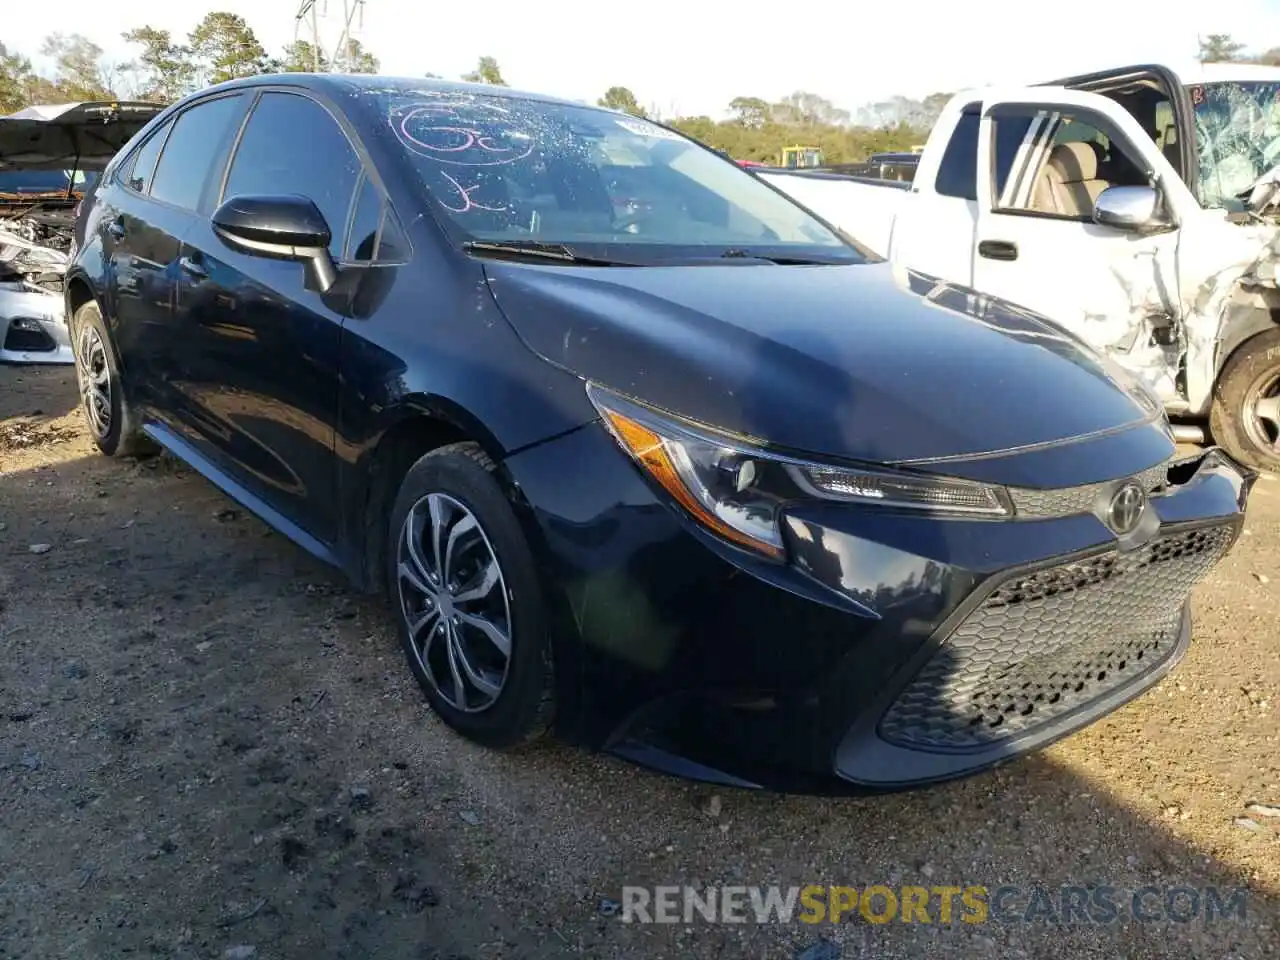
column 49, row 155
column 800, row 158
column 1137, row 207
column 880, row 166
column 690, row 480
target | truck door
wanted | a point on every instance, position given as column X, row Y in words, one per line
column 1043, row 161
column 934, row 225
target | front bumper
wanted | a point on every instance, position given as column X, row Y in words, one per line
column 893, row 650
column 33, row 326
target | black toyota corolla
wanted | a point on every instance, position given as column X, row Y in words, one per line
column 644, row 454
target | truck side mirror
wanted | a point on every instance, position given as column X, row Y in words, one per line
column 1132, row 209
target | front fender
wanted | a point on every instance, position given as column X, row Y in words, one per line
column 460, row 374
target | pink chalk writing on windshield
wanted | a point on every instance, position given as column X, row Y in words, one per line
column 468, row 204
column 486, row 141
column 462, row 133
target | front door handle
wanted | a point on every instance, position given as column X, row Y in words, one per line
column 192, row 268
column 998, row 250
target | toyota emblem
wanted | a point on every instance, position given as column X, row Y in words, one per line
column 1126, row 508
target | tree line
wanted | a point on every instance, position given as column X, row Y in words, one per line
column 758, row 129
column 1223, row 48
column 222, row 46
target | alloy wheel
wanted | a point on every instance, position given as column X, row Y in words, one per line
column 453, row 598
column 94, row 376
column 1262, row 412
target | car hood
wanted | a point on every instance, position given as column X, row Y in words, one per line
column 81, row 135
column 865, row 362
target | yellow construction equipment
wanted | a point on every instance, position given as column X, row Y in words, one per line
column 800, row 158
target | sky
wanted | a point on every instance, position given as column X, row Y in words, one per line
column 689, row 57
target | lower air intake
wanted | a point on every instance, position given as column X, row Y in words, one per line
column 1044, row 643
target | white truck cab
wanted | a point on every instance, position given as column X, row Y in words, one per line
column 1136, row 207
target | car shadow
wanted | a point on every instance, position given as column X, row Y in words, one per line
column 33, row 399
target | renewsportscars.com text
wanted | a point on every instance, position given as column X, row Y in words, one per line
column 943, row 905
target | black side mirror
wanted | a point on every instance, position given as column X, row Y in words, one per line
column 283, row 227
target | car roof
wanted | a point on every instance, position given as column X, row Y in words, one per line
column 346, row 83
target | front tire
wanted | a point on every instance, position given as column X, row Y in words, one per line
column 111, row 420
column 470, row 609
column 1245, row 418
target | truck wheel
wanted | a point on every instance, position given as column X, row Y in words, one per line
column 1245, row 418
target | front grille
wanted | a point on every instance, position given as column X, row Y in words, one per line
column 1042, row 644
column 1066, row 501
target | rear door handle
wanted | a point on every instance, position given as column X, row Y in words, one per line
column 193, row 268
column 998, row 250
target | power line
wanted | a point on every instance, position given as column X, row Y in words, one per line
column 343, row 53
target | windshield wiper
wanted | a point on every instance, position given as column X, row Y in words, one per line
column 540, row 250
column 734, row 253
column 562, row 253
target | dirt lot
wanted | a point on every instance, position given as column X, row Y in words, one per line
column 209, row 747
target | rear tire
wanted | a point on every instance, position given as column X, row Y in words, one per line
column 468, row 600
column 112, row 423
column 1245, row 418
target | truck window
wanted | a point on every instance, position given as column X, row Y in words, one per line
column 958, row 172
column 1010, row 132
column 1055, row 164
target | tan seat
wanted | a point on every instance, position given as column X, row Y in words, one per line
column 1069, row 183
column 1172, row 152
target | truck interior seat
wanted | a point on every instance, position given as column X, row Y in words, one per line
column 1171, row 150
column 1068, row 183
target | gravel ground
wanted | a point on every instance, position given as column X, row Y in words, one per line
column 210, row 747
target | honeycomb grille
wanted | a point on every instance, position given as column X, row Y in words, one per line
column 1066, row 501
column 1045, row 643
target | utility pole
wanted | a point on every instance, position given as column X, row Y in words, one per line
column 352, row 19
column 351, row 9
column 304, row 8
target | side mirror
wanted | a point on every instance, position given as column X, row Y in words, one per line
column 1133, row 209
column 284, row 227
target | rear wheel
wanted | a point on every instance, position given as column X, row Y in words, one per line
column 472, row 618
column 1245, row 418
column 111, row 420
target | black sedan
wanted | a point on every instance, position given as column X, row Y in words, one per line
column 645, row 454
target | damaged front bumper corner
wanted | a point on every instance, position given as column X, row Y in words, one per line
column 33, row 326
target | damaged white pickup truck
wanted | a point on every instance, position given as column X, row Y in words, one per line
column 48, row 156
column 1139, row 208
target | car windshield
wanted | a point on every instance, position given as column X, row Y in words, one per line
column 1237, row 136
column 519, row 171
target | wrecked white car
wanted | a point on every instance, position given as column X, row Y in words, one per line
column 1137, row 207
column 49, row 155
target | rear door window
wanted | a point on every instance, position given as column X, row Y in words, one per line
column 144, row 160
column 292, row 144
column 958, row 172
column 192, row 149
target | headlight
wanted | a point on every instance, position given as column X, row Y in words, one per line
column 738, row 489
